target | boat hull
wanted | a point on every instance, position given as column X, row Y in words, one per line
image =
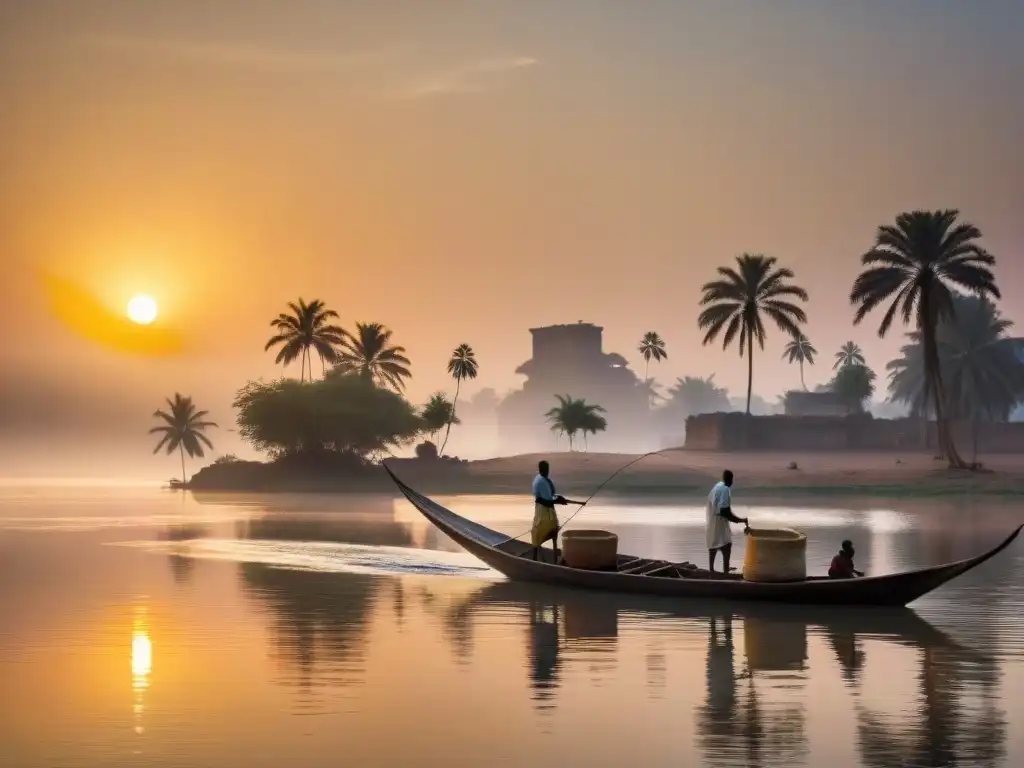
column 507, row 557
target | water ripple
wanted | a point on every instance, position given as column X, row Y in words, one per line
column 330, row 557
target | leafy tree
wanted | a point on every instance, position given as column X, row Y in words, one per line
column 370, row 354
column 461, row 365
column 482, row 407
column 572, row 416
column 917, row 263
column 736, row 302
column 691, row 395
column 849, row 354
column 854, row 383
column 652, row 347
column 800, row 350
column 306, row 328
column 426, row 450
column 342, row 413
column 438, row 413
column 183, row 429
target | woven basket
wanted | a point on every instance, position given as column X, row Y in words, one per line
column 590, row 550
column 774, row 646
column 775, row 555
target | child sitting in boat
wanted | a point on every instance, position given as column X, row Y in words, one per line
column 842, row 563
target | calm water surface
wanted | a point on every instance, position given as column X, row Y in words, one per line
column 140, row 627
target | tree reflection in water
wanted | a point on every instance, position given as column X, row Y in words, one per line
column 318, row 623
column 179, row 557
column 942, row 732
column 318, row 619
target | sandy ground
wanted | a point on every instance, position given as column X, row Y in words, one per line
column 814, row 473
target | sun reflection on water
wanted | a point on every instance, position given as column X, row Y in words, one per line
column 142, row 665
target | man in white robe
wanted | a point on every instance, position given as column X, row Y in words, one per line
column 719, row 514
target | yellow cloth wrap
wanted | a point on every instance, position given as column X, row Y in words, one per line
column 545, row 524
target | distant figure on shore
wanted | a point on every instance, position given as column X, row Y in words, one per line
column 842, row 563
column 719, row 514
column 545, row 521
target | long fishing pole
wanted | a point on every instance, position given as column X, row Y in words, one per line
column 582, row 504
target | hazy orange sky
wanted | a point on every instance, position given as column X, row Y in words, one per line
column 429, row 165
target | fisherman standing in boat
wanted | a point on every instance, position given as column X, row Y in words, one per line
column 718, row 516
column 545, row 521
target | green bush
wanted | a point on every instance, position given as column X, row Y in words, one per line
column 343, row 414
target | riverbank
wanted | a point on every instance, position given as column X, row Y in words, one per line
column 670, row 472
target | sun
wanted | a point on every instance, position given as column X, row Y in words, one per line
column 142, row 309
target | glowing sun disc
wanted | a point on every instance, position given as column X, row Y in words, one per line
column 142, row 309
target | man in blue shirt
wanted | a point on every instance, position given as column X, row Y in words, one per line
column 545, row 521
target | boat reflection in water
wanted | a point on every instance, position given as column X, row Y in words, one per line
column 758, row 665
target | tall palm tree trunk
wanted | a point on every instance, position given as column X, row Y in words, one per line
column 647, row 368
column 976, row 427
column 181, row 450
column 933, row 382
column 802, row 384
column 451, row 417
column 750, row 365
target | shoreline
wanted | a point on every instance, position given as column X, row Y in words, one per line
column 672, row 472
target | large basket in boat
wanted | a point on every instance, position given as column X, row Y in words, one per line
column 590, row 550
column 775, row 555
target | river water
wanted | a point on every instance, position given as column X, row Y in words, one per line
column 143, row 627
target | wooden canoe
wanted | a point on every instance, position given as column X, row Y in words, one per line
column 513, row 558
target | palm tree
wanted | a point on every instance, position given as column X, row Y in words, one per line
column 849, row 354
column 906, row 378
column 437, row 413
column 591, row 423
column 461, row 365
column 982, row 366
column 800, row 350
column 649, row 389
column 306, row 328
column 918, row 262
column 182, row 430
column 734, row 303
column 652, row 347
column 369, row 353
column 571, row 416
